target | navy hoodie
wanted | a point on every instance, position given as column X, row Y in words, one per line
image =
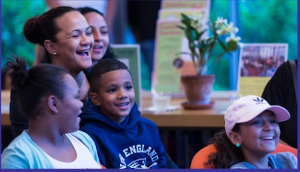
column 134, row 144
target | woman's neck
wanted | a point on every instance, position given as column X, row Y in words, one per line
column 42, row 135
column 83, row 85
column 79, row 78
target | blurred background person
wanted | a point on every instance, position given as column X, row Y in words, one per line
column 100, row 31
column 142, row 17
column 282, row 90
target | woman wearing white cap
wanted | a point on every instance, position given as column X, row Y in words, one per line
column 251, row 134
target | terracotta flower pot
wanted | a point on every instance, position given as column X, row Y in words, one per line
column 198, row 88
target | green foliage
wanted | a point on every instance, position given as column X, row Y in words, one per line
column 276, row 22
column 14, row 14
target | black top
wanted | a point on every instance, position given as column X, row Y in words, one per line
column 280, row 91
column 18, row 119
column 142, row 16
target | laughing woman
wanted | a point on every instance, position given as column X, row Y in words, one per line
column 67, row 39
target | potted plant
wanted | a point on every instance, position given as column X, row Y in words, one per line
column 200, row 53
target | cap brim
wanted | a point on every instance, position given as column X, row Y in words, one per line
column 281, row 113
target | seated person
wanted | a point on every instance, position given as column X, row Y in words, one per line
column 280, row 90
column 251, row 134
column 123, row 138
column 5, row 79
column 49, row 96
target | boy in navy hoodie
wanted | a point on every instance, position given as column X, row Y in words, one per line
column 111, row 117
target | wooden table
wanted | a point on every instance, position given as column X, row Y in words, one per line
column 188, row 118
column 179, row 118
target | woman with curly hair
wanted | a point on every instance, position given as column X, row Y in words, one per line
column 251, row 134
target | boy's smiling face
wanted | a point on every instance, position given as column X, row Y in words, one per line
column 115, row 94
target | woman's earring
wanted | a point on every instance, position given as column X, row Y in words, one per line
column 237, row 145
column 56, row 111
column 54, row 53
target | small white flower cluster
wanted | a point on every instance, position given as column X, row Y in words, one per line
column 232, row 37
column 225, row 28
column 196, row 19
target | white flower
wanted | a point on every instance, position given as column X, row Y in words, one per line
column 240, row 44
column 230, row 28
column 220, row 21
column 194, row 17
column 222, row 31
column 225, row 29
column 201, row 15
column 232, row 37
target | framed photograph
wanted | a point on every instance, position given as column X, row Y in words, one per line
column 258, row 63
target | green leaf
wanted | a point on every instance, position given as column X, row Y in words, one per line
column 223, row 45
column 199, row 35
column 194, row 35
column 181, row 27
column 232, row 45
column 218, row 58
column 185, row 17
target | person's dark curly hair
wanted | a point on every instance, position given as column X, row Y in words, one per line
column 227, row 153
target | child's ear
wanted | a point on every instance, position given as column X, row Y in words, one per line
column 235, row 138
column 49, row 46
column 95, row 99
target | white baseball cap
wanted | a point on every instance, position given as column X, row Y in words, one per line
column 248, row 107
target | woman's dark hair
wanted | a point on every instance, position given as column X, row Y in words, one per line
column 227, row 153
column 35, row 84
column 40, row 28
column 102, row 67
column 109, row 54
column 85, row 10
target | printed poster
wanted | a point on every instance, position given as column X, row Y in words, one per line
column 169, row 41
column 258, row 63
column 167, row 4
column 129, row 54
column 175, row 14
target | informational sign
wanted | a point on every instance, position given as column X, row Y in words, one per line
column 191, row 4
column 258, row 63
column 129, row 54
